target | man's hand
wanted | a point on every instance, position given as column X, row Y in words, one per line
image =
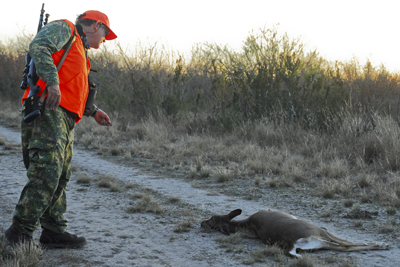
column 102, row 118
column 54, row 97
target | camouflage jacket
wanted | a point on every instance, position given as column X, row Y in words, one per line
column 48, row 41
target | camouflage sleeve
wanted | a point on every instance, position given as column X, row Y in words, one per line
column 48, row 41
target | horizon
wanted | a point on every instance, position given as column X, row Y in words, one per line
column 339, row 30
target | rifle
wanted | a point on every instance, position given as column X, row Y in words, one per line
column 32, row 104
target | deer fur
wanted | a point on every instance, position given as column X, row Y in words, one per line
column 285, row 230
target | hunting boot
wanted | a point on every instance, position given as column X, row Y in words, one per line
column 15, row 237
column 50, row 239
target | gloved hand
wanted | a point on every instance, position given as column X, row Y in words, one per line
column 102, row 118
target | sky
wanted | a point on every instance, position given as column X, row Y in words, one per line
column 339, row 29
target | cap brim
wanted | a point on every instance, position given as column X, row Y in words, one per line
column 111, row 35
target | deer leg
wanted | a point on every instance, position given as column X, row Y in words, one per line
column 315, row 243
column 357, row 247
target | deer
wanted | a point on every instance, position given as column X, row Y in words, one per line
column 286, row 231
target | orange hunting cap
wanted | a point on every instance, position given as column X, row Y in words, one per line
column 99, row 16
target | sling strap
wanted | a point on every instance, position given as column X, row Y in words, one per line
column 67, row 47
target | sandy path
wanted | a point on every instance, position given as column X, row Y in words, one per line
column 117, row 238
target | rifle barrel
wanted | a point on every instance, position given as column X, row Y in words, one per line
column 41, row 18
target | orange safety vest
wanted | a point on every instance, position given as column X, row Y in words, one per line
column 73, row 77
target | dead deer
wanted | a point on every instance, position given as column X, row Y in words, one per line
column 285, row 230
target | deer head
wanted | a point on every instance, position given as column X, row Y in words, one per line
column 222, row 223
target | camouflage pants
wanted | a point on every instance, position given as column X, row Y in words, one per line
column 47, row 145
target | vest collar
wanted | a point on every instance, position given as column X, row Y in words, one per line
column 82, row 34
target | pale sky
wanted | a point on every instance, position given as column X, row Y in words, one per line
column 338, row 29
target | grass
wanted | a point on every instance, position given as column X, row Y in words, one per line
column 357, row 213
column 2, row 140
column 273, row 252
column 304, row 261
column 391, row 210
column 328, row 193
column 83, row 178
column 238, row 159
column 183, row 226
column 325, row 172
column 230, row 242
column 326, row 213
column 25, row 254
column 348, row 203
column 109, row 181
column 173, row 200
column 223, row 175
column 146, row 203
column 389, row 226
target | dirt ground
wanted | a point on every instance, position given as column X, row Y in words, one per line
column 119, row 238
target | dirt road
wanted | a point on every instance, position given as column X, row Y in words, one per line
column 119, row 238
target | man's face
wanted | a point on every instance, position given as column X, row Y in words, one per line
column 96, row 35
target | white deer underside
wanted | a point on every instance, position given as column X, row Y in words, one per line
column 309, row 243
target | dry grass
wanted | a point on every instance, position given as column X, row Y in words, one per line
column 83, row 178
column 348, row 203
column 304, row 261
column 231, row 243
column 391, row 210
column 146, row 203
column 183, row 226
column 273, row 252
column 173, row 200
column 26, row 254
column 344, row 164
column 326, row 213
column 2, row 141
column 330, row 165
column 9, row 115
column 222, row 175
column 109, row 181
column 389, row 226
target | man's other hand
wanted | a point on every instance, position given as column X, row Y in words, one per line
column 54, row 97
column 102, row 118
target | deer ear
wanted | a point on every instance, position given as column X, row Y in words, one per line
column 234, row 213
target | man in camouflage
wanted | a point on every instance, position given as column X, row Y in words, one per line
column 48, row 141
